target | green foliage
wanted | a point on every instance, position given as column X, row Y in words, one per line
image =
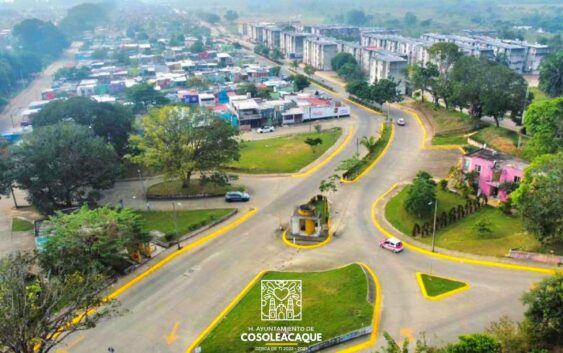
column 446, row 54
column 276, row 54
column 112, row 122
column 421, row 77
column 15, row 67
column 512, row 336
column 5, row 170
column 82, row 17
column 144, row 96
column 21, row 225
column 261, row 49
column 231, row 15
column 443, row 184
column 313, row 142
column 63, row 165
column 544, row 122
column 197, row 47
column 309, row 70
column 275, row 71
column 180, row 141
column 421, row 195
column 370, row 143
column 197, row 83
column 475, row 343
column 329, row 184
column 342, row 59
column 483, row 227
column 35, row 304
column 410, row 19
column 379, row 92
column 40, row 38
column 300, row 82
column 357, row 18
column 95, row 239
column 540, row 198
column 551, row 74
column 72, row 73
column 545, row 312
column 247, row 87
column 350, row 71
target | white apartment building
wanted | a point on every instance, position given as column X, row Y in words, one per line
column 386, row 65
column 318, row 52
column 292, row 44
column 271, row 36
column 414, row 50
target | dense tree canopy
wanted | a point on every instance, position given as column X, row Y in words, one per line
column 15, row 67
column 231, row 15
column 113, row 122
column 82, row 17
column 41, row 38
column 540, row 198
column 63, row 165
column 544, row 122
column 37, row 307
column 181, row 141
column 551, row 74
column 384, row 90
column 421, row 195
column 300, row 82
column 144, row 96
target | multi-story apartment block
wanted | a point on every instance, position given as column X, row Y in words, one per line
column 318, row 52
column 414, row 50
column 382, row 64
column 534, row 54
column 272, row 35
column 291, row 44
column 335, row 31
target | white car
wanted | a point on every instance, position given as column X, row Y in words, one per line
column 265, row 129
column 401, row 122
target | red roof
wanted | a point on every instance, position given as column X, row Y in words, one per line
column 317, row 102
column 220, row 108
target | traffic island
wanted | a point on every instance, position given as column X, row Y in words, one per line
column 296, row 312
column 436, row 288
column 310, row 225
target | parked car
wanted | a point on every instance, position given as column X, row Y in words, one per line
column 401, row 122
column 237, row 196
column 265, row 129
column 392, row 244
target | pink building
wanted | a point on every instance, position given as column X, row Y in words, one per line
column 493, row 169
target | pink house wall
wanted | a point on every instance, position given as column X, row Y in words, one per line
column 486, row 174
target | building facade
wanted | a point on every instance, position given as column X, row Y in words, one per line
column 318, row 52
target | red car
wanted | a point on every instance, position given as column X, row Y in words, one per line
column 393, row 244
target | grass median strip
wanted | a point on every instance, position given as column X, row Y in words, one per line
column 175, row 189
column 435, row 287
column 285, row 154
column 21, row 225
column 333, row 303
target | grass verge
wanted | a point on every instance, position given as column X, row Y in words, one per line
column 366, row 161
column 174, row 189
column 188, row 220
column 502, row 140
column 436, row 286
column 506, row 232
column 21, row 225
column 285, row 154
column 444, row 120
column 333, row 303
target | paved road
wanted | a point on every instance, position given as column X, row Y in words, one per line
column 195, row 287
column 10, row 117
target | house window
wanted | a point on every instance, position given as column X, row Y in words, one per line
column 517, row 179
column 466, row 164
column 477, row 169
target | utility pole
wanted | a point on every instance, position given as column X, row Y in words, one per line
column 176, row 226
column 144, row 189
column 434, row 228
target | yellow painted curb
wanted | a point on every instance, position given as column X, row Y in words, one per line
column 375, row 162
column 225, row 311
column 421, row 250
column 375, row 321
column 185, row 249
column 441, row 296
column 376, row 316
column 365, row 107
column 328, row 158
column 314, row 246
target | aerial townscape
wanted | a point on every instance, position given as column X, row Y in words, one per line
column 241, row 176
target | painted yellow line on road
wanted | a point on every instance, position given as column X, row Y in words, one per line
column 225, row 311
column 440, row 296
column 375, row 162
column 376, row 316
column 421, row 250
column 185, row 249
column 328, row 158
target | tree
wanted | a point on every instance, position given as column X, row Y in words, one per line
column 384, row 90
column 350, row 71
column 144, row 96
column 93, row 239
column 358, row 88
column 475, row 343
column 247, row 87
column 181, row 141
column 63, row 165
column 504, row 90
column 445, row 54
column 309, row 70
column 357, row 18
column 231, row 15
column 544, row 122
column 197, row 82
column 410, row 19
column 41, row 38
column 342, row 59
column 370, row 143
column 197, row 47
column 5, row 170
column 545, row 312
column 421, row 346
column 421, row 77
column 512, row 336
column 540, row 198
column 469, row 75
column 275, row 71
column 113, row 122
column 551, row 74
column 329, row 184
column 300, row 82
column 313, row 142
column 39, row 310
column 82, row 17
column 294, row 64
column 421, row 195
column 276, row 54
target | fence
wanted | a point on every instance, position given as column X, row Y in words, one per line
column 536, row 257
column 340, row 339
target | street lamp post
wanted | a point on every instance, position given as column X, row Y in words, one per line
column 434, row 227
column 144, row 190
column 176, row 225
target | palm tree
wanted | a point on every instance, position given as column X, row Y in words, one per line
column 369, row 143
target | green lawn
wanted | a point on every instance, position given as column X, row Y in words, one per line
column 20, row 225
column 500, row 139
column 286, row 154
column 445, row 120
column 372, row 156
column 506, row 231
column 188, row 220
column 174, row 187
column 454, row 139
column 436, row 285
column 538, row 94
column 334, row 302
